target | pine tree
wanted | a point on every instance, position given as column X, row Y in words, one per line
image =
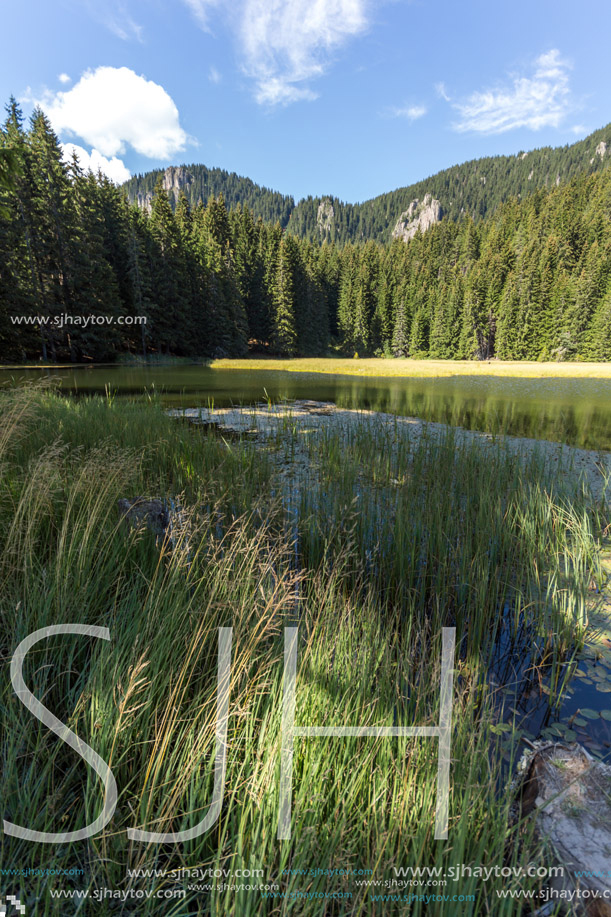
column 55, row 225
column 170, row 311
column 250, row 273
column 419, row 337
column 284, row 332
column 401, row 332
column 346, row 304
column 95, row 290
column 18, row 279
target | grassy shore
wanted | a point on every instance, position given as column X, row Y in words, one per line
column 371, row 544
column 368, row 366
column 425, row 368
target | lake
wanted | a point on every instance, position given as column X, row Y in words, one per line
column 574, row 411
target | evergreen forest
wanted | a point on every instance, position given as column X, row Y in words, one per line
column 520, row 276
column 474, row 188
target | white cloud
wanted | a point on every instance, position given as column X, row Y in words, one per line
column 286, row 43
column 64, row 78
column 111, row 107
column 199, row 8
column 113, row 14
column 213, row 75
column 440, row 89
column 411, row 112
column 277, row 90
column 540, row 100
column 114, row 168
column 125, row 28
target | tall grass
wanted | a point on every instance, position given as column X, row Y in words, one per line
column 381, row 366
column 372, row 546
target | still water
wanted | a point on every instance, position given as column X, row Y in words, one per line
column 574, row 411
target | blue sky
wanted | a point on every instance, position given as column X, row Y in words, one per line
column 345, row 97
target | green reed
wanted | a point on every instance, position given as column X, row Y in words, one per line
column 373, row 543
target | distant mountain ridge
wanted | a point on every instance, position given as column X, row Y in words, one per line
column 474, row 188
column 200, row 183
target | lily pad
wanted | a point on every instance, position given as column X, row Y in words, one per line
column 579, row 721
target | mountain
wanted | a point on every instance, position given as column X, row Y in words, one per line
column 475, row 188
column 529, row 280
column 200, row 184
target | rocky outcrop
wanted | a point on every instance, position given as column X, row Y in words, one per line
column 175, row 179
column 419, row 216
column 600, row 150
column 324, row 217
column 144, row 199
column 148, row 514
column 168, row 522
column 568, row 794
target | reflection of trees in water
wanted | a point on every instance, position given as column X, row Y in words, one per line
column 579, row 424
column 577, row 412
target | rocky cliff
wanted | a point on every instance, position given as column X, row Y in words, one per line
column 419, row 216
column 600, row 150
column 175, row 179
column 324, row 217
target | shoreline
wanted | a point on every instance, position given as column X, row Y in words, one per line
column 370, row 367
column 434, row 369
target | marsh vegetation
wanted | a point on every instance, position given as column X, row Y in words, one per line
column 370, row 547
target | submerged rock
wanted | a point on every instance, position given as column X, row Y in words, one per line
column 169, row 523
column 149, row 514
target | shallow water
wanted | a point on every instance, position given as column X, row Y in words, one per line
column 582, row 710
column 574, row 411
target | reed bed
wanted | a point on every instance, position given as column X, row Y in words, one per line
column 371, row 548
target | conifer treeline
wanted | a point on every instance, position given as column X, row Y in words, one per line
column 533, row 281
column 201, row 183
column 207, row 280
column 475, row 188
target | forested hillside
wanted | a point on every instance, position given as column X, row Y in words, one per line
column 199, row 183
column 532, row 280
column 474, row 189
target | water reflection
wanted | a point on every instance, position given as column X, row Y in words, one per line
column 574, row 411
